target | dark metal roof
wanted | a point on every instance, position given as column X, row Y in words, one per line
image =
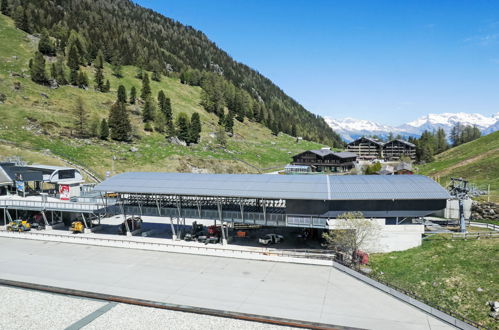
column 401, row 141
column 368, row 139
column 321, row 152
column 345, row 154
column 327, row 152
column 306, row 187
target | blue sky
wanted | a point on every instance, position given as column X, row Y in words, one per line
column 389, row 61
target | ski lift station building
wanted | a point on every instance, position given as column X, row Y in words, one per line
column 276, row 200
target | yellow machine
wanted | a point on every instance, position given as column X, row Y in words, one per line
column 77, row 227
column 19, row 225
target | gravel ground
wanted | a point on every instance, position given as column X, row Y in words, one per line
column 26, row 309
column 137, row 317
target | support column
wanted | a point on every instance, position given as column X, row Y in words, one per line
column 462, row 223
column 265, row 212
column 220, row 216
column 174, row 235
column 44, row 218
column 84, row 220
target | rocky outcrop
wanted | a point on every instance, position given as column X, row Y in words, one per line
column 485, row 210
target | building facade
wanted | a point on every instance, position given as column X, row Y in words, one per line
column 325, row 160
column 396, row 149
column 366, row 148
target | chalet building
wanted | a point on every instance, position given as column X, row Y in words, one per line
column 325, row 160
column 366, row 148
column 395, row 149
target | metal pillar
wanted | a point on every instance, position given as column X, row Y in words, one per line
column 462, row 223
column 174, row 235
column 265, row 212
column 220, row 216
column 242, row 212
column 84, row 220
column 44, row 218
column 8, row 215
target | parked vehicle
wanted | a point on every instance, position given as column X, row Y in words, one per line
column 196, row 231
column 271, row 239
column 77, row 227
column 133, row 223
column 19, row 225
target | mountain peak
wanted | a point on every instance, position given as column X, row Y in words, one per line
column 352, row 128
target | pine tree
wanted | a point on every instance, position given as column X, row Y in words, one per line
column 156, row 76
column 21, row 19
column 121, row 94
column 73, row 58
column 195, row 128
column 99, row 79
column 220, row 136
column 229, row 122
column 38, row 74
column 133, row 95
column 116, row 66
column 161, row 100
column 74, row 65
column 148, row 111
column 160, row 124
column 275, row 128
column 119, row 122
column 60, row 73
column 182, row 124
column 441, row 141
column 107, row 86
column 104, row 130
column 4, row 8
column 45, row 45
column 170, row 128
column 99, row 60
column 81, row 117
column 146, row 87
column 82, row 79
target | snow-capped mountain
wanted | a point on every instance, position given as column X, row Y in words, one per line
column 351, row 128
column 447, row 120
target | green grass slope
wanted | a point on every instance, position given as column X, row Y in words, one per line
column 33, row 121
column 477, row 161
column 447, row 273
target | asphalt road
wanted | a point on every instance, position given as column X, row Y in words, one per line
column 311, row 293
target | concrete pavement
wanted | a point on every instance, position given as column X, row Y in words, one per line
column 311, row 293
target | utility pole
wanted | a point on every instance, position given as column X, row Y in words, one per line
column 459, row 188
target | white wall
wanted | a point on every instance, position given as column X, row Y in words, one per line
column 389, row 238
column 451, row 210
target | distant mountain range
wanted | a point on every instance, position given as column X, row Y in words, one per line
column 351, row 128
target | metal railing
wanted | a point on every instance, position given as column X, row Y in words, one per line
column 427, row 306
column 50, row 206
column 159, row 246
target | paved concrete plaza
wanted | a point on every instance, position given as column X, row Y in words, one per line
column 311, row 293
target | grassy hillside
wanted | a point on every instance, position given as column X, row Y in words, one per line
column 477, row 161
column 37, row 118
column 459, row 275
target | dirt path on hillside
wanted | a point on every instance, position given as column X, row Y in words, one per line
column 465, row 162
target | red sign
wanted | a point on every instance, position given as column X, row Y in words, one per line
column 64, row 192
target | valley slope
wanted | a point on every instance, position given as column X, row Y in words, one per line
column 476, row 161
column 38, row 118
